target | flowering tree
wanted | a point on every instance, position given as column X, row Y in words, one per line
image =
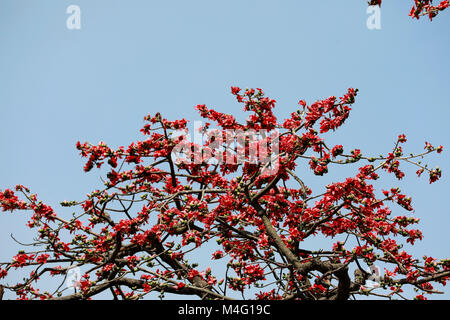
column 166, row 198
column 421, row 8
column 132, row 236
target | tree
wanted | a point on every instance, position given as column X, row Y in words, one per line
column 166, row 198
column 208, row 193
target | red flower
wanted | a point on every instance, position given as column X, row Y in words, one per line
column 235, row 90
column 180, row 285
column 3, row 273
column 42, row 258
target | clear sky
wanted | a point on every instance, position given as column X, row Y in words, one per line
column 131, row 58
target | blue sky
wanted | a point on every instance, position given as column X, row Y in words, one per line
column 131, row 58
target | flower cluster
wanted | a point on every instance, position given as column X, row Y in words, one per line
column 425, row 7
column 421, row 8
